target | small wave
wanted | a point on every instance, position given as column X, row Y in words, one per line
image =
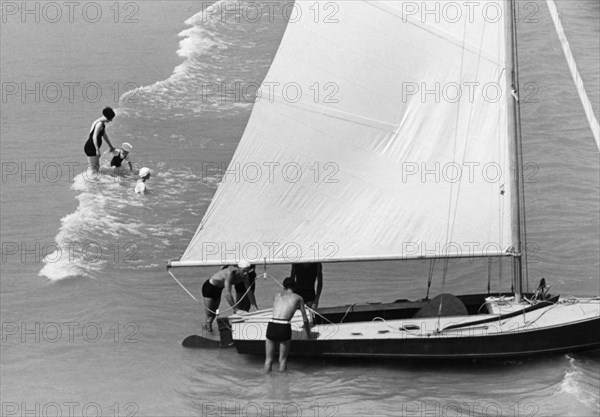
column 581, row 385
column 85, row 238
column 201, row 38
column 217, row 73
column 114, row 227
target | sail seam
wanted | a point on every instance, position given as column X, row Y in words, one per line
column 447, row 36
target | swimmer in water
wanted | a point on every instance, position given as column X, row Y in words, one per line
column 121, row 155
column 140, row 187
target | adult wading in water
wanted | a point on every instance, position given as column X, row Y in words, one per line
column 94, row 142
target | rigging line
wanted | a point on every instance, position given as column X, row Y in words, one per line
column 431, row 266
column 501, row 215
column 307, row 307
column 445, row 270
column 265, row 274
column 182, row 286
column 351, row 306
column 456, row 120
column 320, row 315
column 450, row 225
column 523, row 270
column 381, row 319
column 530, row 322
column 198, row 301
column 585, row 101
column 499, row 277
column 489, row 276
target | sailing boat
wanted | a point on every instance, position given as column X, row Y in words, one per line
column 409, row 159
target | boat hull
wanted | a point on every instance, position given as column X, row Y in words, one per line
column 569, row 338
column 508, row 329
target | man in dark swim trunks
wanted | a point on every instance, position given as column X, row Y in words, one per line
column 94, row 141
column 279, row 330
column 241, row 298
column 305, row 276
column 225, row 279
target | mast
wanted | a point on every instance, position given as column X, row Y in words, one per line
column 516, row 151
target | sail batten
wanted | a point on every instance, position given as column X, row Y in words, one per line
column 377, row 158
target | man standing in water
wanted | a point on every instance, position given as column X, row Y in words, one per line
column 224, row 279
column 279, row 329
column 305, row 276
column 94, row 142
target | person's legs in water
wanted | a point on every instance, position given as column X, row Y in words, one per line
column 94, row 164
column 270, row 347
column 284, row 350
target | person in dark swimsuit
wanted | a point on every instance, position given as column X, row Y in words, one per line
column 279, row 329
column 224, row 279
column 121, row 155
column 242, row 299
column 94, row 141
column 306, row 275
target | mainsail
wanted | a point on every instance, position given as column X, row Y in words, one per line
column 381, row 133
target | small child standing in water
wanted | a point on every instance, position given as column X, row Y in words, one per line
column 140, row 187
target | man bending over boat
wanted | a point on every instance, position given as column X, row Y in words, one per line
column 279, row 330
column 241, row 296
column 224, row 279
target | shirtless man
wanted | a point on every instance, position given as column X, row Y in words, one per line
column 224, row 279
column 279, row 330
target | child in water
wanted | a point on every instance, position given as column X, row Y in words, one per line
column 121, row 155
column 140, row 187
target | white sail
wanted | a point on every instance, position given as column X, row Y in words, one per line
column 382, row 135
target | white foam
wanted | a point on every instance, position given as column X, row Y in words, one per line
column 85, row 236
column 572, row 386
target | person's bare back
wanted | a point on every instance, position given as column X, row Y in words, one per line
column 279, row 330
column 220, row 281
column 219, row 278
column 285, row 305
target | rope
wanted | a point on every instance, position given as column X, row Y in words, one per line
column 529, row 323
column 431, row 266
column 489, row 275
column 182, row 286
column 445, row 270
column 216, row 313
column 307, row 307
column 453, row 208
column 347, row 311
column 500, row 277
column 574, row 300
column 521, row 273
column 385, row 322
column 512, row 277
